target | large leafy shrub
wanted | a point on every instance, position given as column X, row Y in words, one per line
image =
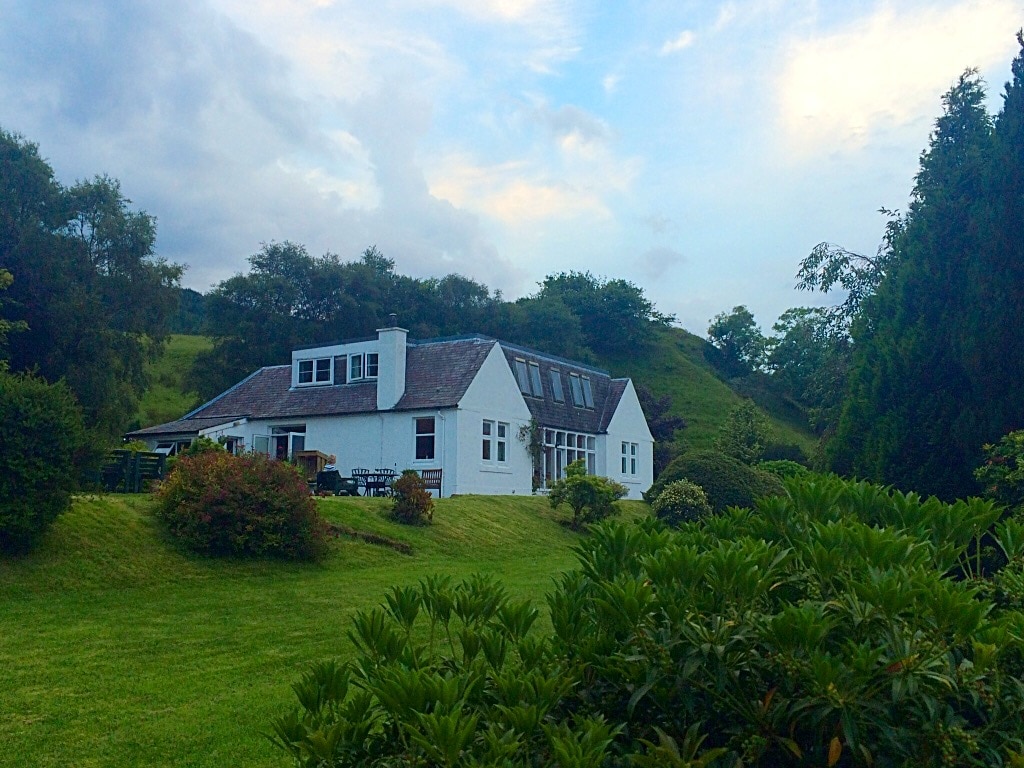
column 220, row 504
column 1002, row 473
column 42, row 433
column 745, row 433
column 828, row 627
column 590, row 497
column 681, row 502
column 727, row 481
column 412, row 503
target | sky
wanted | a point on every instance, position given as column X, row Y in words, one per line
column 697, row 149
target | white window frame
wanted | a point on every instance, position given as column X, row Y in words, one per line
column 630, row 453
column 367, row 363
column 417, row 435
column 494, row 442
column 320, row 371
column 561, row 448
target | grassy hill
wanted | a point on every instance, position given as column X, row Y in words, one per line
column 673, row 364
column 120, row 650
column 167, row 397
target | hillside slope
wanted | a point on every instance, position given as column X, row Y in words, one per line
column 674, row 365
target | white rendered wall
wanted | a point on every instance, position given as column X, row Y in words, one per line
column 495, row 396
column 628, row 425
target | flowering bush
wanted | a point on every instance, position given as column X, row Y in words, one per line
column 220, row 504
column 413, row 504
column 681, row 502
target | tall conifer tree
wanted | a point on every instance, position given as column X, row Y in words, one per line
column 911, row 415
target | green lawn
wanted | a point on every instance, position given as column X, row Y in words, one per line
column 167, row 398
column 116, row 649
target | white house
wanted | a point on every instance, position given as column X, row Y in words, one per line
column 466, row 405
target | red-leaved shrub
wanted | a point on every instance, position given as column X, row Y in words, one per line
column 220, row 504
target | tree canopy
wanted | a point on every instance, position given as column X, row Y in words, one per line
column 937, row 348
column 88, row 293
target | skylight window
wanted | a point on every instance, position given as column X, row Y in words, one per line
column 556, row 387
column 588, row 392
column 522, row 376
column 535, row 386
column 577, row 390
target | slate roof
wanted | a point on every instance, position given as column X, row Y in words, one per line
column 437, row 376
column 548, row 413
column 438, row 373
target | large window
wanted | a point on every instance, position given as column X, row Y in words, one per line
column 494, row 445
column 563, row 448
column 315, row 371
column 424, row 438
column 629, row 455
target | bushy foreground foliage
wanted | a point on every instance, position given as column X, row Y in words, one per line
column 1002, row 473
column 727, row 481
column 681, row 502
column 412, row 503
column 591, row 497
column 220, row 504
column 42, row 433
column 839, row 625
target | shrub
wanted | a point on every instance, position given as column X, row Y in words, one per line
column 745, row 433
column 220, row 504
column 783, row 468
column 412, row 503
column 820, row 628
column 43, row 437
column 726, row 481
column 681, row 502
column 590, row 497
column 1002, row 474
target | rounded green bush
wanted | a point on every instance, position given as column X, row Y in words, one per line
column 220, row 504
column 412, row 504
column 681, row 502
column 42, row 437
column 783, row 468
column 726, row 481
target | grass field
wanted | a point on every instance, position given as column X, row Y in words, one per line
column 116, row 649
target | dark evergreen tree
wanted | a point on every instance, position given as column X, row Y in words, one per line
column 914, row 410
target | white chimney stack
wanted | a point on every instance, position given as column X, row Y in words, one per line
column 391, row 342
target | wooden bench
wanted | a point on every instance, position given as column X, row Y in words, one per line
column 431, row 479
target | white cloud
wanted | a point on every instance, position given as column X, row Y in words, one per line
column 681, row 41
column 886, row 69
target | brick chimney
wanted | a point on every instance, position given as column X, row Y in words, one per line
column 391, row 345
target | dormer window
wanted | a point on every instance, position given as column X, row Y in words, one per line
column 364, row 366
column 314, row 371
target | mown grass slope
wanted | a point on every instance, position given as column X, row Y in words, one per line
column 117, row 649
